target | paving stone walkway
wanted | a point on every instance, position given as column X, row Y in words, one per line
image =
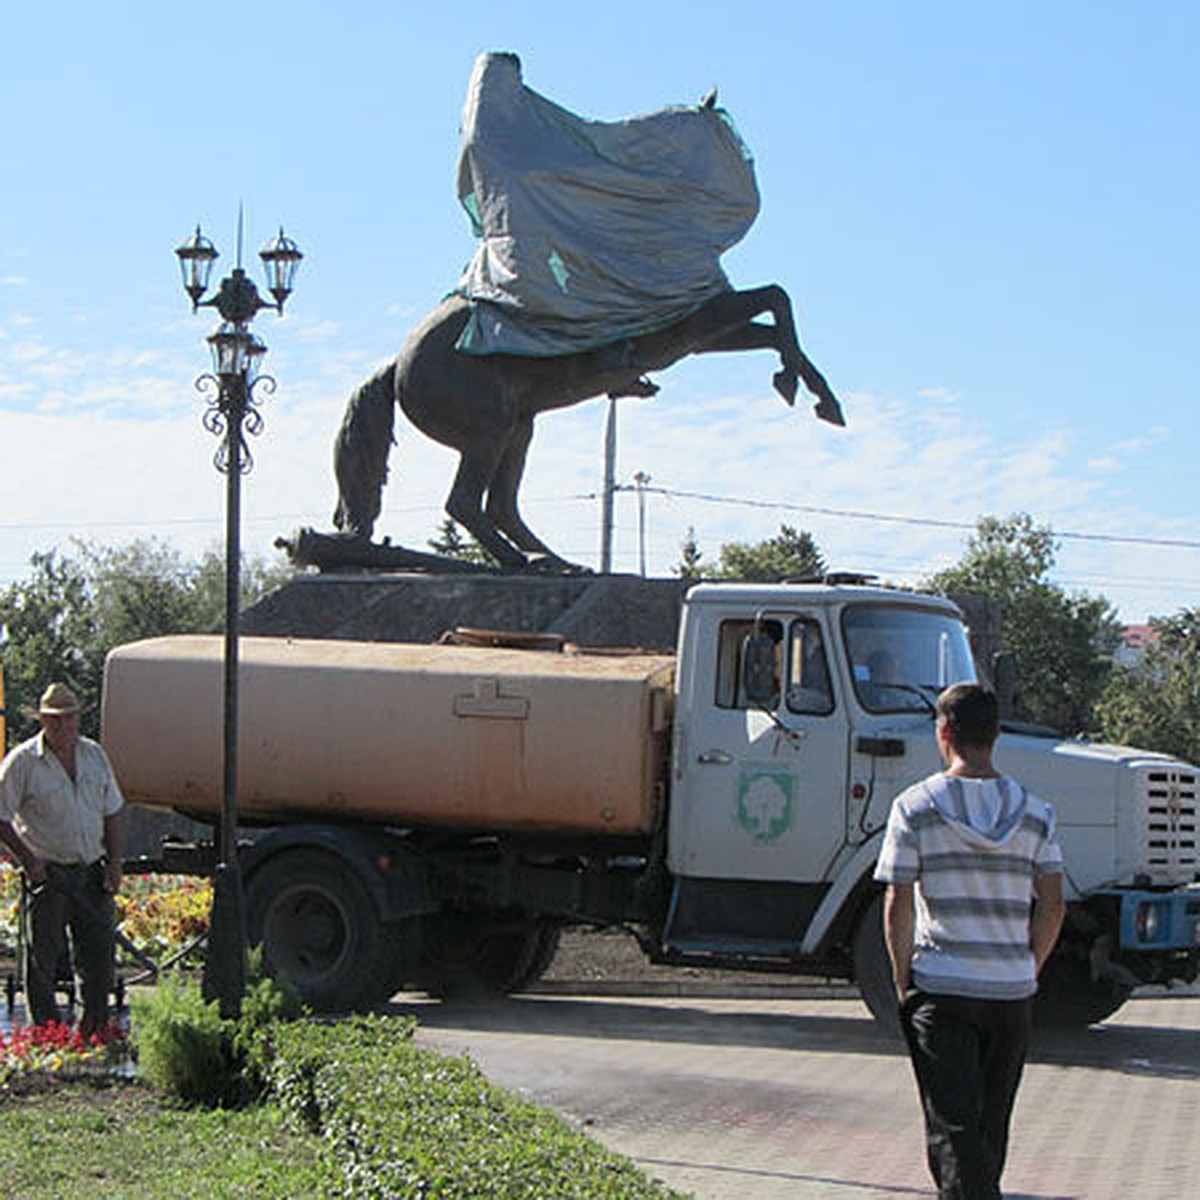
column 763, row 1097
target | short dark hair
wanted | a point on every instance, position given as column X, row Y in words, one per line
column 971, row 714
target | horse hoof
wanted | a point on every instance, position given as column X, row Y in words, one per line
column 640, row 388
column 828, row 409
column 785, row 385
column 551, row 564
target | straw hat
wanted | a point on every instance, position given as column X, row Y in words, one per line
column 57, row 701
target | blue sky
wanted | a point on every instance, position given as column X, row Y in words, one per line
column 986, row 215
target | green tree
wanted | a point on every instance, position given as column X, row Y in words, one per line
column 1062, row 643
column 1156, row 703
column 453, row 544
column 61, row 621
column 205, row 582
column 788, row 555
column 690, row 565
column 48, row 623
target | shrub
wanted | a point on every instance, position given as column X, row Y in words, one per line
column 188, row 1050
column 405, row 1121
column 396, row 1119
column 184, row 1047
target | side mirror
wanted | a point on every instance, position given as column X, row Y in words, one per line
column 760, row 683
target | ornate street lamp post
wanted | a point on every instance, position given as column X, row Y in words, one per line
column 232, row 414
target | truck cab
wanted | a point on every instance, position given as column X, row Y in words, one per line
column 804, row 710
column 779, row 783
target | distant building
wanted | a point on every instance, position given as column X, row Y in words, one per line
column 1134, row 641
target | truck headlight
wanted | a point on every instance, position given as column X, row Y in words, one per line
column 1148, row 921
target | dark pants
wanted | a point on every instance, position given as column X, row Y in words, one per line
column 968, row 1056
column 73, row 897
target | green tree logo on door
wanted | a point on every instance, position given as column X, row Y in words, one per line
column 765, row 801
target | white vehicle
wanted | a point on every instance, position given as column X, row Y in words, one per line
column 439, row 813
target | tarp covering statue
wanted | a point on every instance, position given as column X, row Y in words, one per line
column 598, row 264
column 592, row 231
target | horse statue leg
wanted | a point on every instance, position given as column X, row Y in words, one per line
column 477, row 467
column 734, row 312
column 502, row 508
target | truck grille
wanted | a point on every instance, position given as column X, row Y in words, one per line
column 1169, row 802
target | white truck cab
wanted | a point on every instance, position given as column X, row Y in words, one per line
column 802, row 712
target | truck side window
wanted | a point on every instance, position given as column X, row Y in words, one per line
column 730, row 693
column 808, row 690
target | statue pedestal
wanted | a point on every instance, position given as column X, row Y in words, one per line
column 391, row 605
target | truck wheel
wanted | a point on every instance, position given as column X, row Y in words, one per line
column 1069, row 998
column 1067, row 995
column 319, row 927
column 480, row 953
column 873, row 968
column 548, row 939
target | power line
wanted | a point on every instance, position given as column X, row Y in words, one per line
column 667, row 492
column 892, row 518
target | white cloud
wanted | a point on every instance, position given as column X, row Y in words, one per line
column 944, row 394
column 115, row 450
column 319, row 331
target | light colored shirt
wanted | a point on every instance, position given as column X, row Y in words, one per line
column 973, row 848
column 59, row 818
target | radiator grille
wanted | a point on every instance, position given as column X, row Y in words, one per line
column 1169, row 803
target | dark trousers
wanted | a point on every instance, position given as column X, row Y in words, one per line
column 73, row 897
column 967, row 1056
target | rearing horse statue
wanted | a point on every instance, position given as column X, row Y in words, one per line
column 484, row 407
column 598, row 263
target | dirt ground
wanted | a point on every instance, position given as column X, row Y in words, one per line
column 612, row 958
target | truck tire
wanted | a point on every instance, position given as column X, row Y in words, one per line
column 548, row 939
column 1069, row 998
column 472, row 954
column 873, row 968
column 319, row 927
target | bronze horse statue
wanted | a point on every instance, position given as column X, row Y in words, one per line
column 484, row 407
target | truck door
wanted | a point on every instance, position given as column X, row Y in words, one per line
column 759, row 798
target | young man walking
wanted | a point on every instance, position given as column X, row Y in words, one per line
column 973, row 908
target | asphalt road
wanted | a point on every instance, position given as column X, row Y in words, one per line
column 760, row 1096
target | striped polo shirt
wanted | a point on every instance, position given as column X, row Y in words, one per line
column 973, row 847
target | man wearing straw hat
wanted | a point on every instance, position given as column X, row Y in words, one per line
column 59, row 806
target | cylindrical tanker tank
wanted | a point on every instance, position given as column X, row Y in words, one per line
column 400, row 734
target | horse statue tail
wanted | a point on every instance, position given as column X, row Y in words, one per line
column 360, row 453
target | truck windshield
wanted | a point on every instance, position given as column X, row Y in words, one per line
column 902, row 657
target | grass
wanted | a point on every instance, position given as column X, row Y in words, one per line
column 351, row 1108
column 75, row 1140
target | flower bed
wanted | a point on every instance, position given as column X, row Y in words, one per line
column 160, row 914
column 56, row 1048
column 10, row 899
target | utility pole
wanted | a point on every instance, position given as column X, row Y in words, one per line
column 641, row 479
column 610, row 488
